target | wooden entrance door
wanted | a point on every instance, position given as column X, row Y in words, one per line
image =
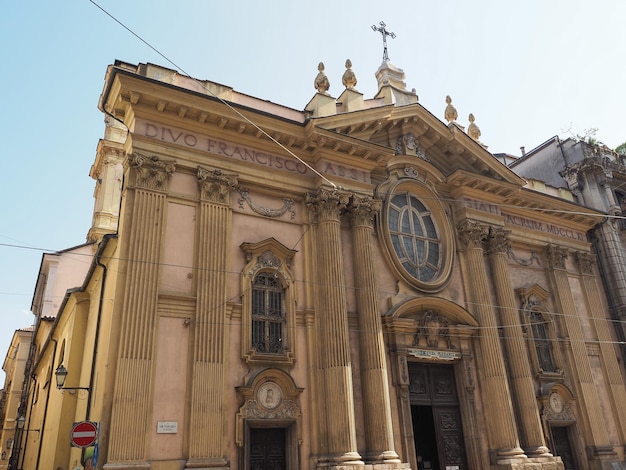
column 268, row 449
column 562, row 446
column 436, row 417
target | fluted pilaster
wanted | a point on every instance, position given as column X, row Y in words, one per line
column 339, row 446
column 207, row 443
column 148, row 182
column 499, row 413
column 521, row 379
column 612, row 372
column 579, row 361
column 376, row 403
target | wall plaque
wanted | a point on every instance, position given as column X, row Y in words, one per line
column 167, row 427
column 432, row 354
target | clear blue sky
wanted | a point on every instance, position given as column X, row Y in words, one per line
column 527, row 70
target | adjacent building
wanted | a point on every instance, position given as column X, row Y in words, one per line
column 14, row 366
column 596, row 177
column 355, row 285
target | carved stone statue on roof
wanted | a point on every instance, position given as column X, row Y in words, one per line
column 473, row 130
column 450, row 114
column 349, row 78
column 321, row 81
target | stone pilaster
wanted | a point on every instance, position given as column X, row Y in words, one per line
column 609, row 362
column 521, row 377
column 376, row 402
column 338, row 442
column 108, row 172
column 208, row 444
column 496, row 395
column 148, row 179
column 580, row 367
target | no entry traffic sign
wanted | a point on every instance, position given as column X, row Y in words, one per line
column 84, row 434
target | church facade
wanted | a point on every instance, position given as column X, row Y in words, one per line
column 355, row 285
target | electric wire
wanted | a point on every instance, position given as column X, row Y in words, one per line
column 180, row 69
column 468, row 305
column 232, row 108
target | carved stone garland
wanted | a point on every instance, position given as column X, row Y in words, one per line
column 265, row 211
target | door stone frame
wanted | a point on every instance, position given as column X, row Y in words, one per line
column 270, row 400
column 435, row 330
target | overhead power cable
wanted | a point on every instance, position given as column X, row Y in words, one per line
column 232, row 108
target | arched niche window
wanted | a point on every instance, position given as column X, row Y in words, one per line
column 268, row 303
column 541, row 333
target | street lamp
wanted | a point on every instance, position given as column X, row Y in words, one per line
column 61, row 375
column 16, row 445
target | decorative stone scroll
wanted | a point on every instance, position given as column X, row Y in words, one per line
column 407, row 144
column 215, row 186
column 151, row 172
column 411, row 172
column 265, row 211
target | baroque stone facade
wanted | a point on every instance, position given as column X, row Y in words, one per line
column 358, row 285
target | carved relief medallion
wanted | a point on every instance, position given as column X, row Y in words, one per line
column 269, row 395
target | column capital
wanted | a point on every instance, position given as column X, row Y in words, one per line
column 215, row 186
column 151, row 172
column 585, row 261
column 571, row 176
column 327, row 204
column 498, row 240
column 471, row 234
column 363, row 209
column 556, row 256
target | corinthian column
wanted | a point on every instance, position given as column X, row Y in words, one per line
column 521, row 378
column 148, row 179
column 495, row 388
column 580, row 366
column 338, row 441
column 207, row 443
column 376, row 403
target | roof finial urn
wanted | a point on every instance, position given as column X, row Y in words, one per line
column 473, row 130
column 349, row 78
column 450, row 114
column 321, row 81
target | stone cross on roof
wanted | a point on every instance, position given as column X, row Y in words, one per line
column 384, row 33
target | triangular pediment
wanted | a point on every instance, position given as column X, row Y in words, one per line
column 413, row 130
